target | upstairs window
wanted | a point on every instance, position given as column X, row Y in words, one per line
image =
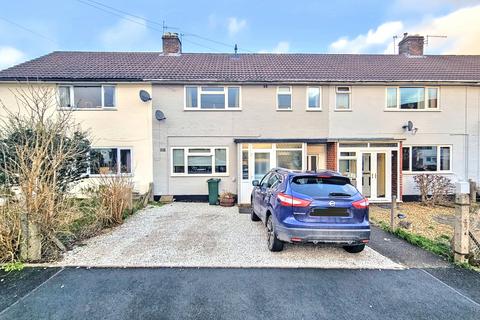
column 87, row 96
column 313, row 98
column 343, row 98
column 412, row 98
column 284, row 98
column 212, row 98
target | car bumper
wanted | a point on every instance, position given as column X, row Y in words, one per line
column 340, row 236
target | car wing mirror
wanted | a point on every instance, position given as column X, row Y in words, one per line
column 255, row 183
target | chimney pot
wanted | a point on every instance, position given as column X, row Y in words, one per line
column 171, row 43
column 411, row 45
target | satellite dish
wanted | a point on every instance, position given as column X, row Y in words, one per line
column 159, row 115
column 410, row 125
column 145, row 96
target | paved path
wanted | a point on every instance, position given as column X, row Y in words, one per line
column 199, row 235
column 206, row 293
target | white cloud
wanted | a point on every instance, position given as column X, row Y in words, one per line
column 281, row 47
column 235, row 25
column 10, row 56
column 368, row 41
column 460, row 26
column 126, row 35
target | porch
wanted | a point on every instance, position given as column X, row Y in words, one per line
column 373, row 165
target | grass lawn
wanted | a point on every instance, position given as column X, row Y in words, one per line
column 430, row 227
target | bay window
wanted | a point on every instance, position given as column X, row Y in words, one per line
column 114, row 161
column 86, row 96
column 199, row 161
column 412, row 98
column 427, row 158
column 212, row 97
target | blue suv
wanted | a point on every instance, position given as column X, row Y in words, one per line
column 317, row 207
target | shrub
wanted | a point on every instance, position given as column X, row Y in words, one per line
column 434, row 189
column 9, row 230
column 43, row 153
column 113, row 193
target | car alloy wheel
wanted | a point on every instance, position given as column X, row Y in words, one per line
column 270, row 233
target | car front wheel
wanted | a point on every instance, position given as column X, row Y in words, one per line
column 253, row 215
column 354, row 249
column 274, row 244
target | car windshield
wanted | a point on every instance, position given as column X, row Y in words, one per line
column 320, row 187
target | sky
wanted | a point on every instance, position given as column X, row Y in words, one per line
column 30, row 28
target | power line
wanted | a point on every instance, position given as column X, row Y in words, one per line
column 29, row 30
column 124, row 15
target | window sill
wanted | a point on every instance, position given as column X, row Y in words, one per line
column 284, row 110
column 90, row 109
column 313, row 109
column 212, row 110
column 412, row 110
column 427, row 172
column 342, row 110
column 110, row 175
column 199, row 175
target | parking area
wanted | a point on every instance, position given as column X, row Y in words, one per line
column 199, row 235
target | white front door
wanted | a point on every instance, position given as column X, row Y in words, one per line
column 259, row 163
column 374, row 175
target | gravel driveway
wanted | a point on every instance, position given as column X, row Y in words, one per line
column 199, row 235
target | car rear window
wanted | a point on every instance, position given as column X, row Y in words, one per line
column 323, row 187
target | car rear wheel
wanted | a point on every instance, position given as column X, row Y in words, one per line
column 253, row 215
column 274, row 244
column 354, row 249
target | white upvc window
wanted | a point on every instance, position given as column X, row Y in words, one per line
column 284, row 98
column 314, row 98
column 87, row 96
column 427, row 158
column 412, row 98
column 110, row 161
column 343, row 98
column 199, row 161
column 212, row 98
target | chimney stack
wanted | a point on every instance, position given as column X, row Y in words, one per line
column 411, row 45
column 171, row 43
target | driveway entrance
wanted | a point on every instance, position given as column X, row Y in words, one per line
column 199, row 235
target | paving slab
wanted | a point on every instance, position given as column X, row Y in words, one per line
column 200, row 235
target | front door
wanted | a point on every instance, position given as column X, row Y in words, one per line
column 375, row 170
column 261, row 164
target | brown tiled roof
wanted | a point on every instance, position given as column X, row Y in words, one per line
column 191, row 67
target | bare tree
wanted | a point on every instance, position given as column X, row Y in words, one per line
column 43, row 153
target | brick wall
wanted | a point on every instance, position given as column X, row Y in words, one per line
column 394, row 172
column 332, row 156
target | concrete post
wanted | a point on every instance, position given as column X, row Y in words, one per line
column 473, row 191
column 392, row 212
column 462, row 221
column 31, row 240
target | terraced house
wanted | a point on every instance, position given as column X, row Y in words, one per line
column 379, row 119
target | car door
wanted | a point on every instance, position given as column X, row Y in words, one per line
column 259, row 195
column 273, row 182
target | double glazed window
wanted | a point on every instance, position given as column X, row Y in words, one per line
column 427, row 158
column 212, row 97
column 412, row 98
column 343, row 98
column 284, row 98
column 314, row 98
column 87, row 96
column 110, row 161
column 289, row 155
column 199, row 161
